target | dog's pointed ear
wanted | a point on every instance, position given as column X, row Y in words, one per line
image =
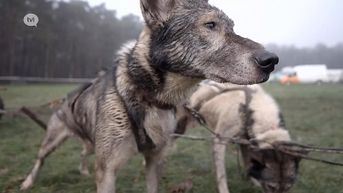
column 156, row 12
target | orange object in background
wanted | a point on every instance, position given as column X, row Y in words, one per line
column 289, row 79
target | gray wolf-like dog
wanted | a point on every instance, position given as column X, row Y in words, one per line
column 130, row 109
column 229, row 114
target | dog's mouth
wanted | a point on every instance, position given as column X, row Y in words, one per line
column 264, row 78
column 239, row 80
column 217, row 78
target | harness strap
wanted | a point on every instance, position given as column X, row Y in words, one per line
column 143, row 140
column 246, row 115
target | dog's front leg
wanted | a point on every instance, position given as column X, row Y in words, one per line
column 153, row 168
column 218, row 151
column 87, row 150
column 109, row 160
column 105, row 178
column 106, row 171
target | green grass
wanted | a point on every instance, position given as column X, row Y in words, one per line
column 314, row 115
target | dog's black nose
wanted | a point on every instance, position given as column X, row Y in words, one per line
column 266, row 60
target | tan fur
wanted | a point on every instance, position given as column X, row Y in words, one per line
column 222, row 114
column 177, row 88
column 266, row 139
column 225, row 108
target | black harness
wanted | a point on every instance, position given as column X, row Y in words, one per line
column 143, row 140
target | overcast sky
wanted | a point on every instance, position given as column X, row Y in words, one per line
column 298, row 22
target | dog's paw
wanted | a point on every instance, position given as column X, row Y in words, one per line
column 27, row 184
column 85, row 172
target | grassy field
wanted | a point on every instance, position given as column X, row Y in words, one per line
column 314, row 115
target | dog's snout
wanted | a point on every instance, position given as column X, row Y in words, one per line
column 266, row 60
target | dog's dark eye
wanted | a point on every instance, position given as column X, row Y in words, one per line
column 210, row 25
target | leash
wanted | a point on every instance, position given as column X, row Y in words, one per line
column 197, row 116
column 201, row 120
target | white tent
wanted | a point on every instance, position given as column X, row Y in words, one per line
column 312, row 73
column 335, row 75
